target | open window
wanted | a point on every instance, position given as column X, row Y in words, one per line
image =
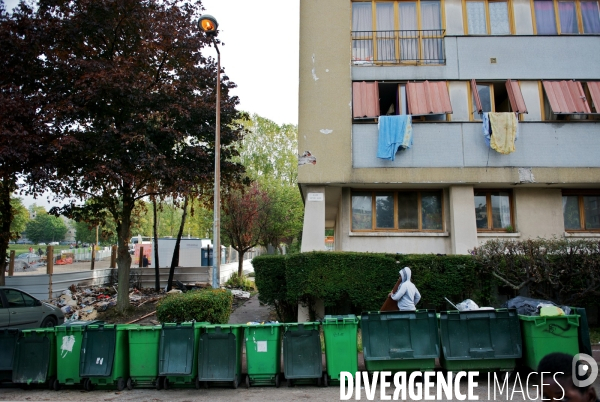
column 425, row 101
column 571, row 100
column 501, row 96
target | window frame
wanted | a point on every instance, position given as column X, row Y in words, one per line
column 511, row 19
column 490, row 84
column 580, row 194
column 395, row 229
column 546, row 107
column 397, row 27
column 580, row 27
column 490, row 218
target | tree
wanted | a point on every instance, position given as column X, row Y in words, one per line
column 20, row 216
column 285, row 216
column 23, row 132
column 46, row 228
column 134, row 99
column 244, row 219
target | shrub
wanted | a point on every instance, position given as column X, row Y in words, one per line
column 361, row 281
column 212, row 305
column 240, row 282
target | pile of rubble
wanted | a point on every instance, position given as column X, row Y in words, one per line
column 84, row 303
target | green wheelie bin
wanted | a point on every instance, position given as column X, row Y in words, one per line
column 220, row 354
column 302, row 357
column 8, row 340
column 543, row 335
column 35, row 357
column 480, row 340
column 263, row 354
column 341, row 353
column 178, row 354
column 69, row 338
column 143, row 356
column 104, row 358
column 400, row 340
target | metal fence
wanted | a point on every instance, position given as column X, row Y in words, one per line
column 395, row 47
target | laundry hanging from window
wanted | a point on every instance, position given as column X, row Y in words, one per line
column 395, row 132
column 500, row 131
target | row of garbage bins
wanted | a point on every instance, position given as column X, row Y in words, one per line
column 93, row 354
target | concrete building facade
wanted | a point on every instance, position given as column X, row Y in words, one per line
column 449, row 192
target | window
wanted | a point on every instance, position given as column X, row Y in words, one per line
column 581, row 211
column 496, row 97
column 428, row 100
column 487, row 17
column 397, row 211
column 554, row 17
column 493, row 211
column 397, row 31
column 571, row 100
column 14, row 298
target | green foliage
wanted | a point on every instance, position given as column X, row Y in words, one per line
column 20, row 217
column 46, row 228
column 363, row 280
column 240, row 282
column 212, row 305
column 564, row 271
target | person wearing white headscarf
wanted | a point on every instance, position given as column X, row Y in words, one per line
column 407, row 294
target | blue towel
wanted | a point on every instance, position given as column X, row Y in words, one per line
column 394, row 132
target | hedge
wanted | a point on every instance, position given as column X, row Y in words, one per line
column 212, row 305
column 361, row 281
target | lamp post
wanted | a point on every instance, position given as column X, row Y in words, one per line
column 208, row 24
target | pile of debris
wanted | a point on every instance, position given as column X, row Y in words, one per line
column 84, row 303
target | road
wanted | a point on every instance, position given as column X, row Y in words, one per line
column 259, row 394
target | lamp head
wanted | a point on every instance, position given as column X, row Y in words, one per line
column 208, row 24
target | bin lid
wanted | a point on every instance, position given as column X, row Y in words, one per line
column 32, row 359
column 340, row 319
column 80, row 323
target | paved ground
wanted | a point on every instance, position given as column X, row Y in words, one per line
column 250, row 311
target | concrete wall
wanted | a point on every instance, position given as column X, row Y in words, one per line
column 517, row 57
column 454, row 144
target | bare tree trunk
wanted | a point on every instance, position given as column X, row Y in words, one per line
column 156, row 265
column 123, row 256
column 240, row 263
column 7, row 217
column 175, row 260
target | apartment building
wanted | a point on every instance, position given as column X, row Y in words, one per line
column 446, row 63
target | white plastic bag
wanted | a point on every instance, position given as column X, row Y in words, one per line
column 467, row 305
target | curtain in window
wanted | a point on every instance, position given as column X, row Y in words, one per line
column 591, row 16
column 545, row 19
column 568, row 17
column 362, row 45
column 591, row 210
column 362, row 216
column 501, row 210
column 386, row 49
column 499, row 18
column 409, row 45
column 476, row 18
column 431, row 20
column 571, row 212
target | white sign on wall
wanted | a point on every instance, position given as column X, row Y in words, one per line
column 315, row 197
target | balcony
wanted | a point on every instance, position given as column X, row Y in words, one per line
column 413, row 47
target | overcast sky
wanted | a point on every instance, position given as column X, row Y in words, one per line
column 263, row 62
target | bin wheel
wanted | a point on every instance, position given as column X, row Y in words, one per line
column 129, row 384
column 234, row 383
column 55, row 385
column 158, row 383
column 290, row 383
column 277, row 380
column 121, row 384
column 166, row 383
column 325, row 380
column 247, row 381
column 197, row 383
column 87, row 384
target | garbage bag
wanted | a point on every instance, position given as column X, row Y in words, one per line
column 467, row 305
column 529, row 306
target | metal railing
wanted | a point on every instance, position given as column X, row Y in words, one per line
column 395, row 47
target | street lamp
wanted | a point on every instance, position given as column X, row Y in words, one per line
column 208, row 24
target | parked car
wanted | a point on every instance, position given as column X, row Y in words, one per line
column 53, row 243
column 41, row 244
column 21, row 310
column 29, row 257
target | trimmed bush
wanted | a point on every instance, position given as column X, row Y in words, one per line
column 212, row 305
column 361, row 281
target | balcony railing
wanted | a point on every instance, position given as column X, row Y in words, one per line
column 395, row 47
